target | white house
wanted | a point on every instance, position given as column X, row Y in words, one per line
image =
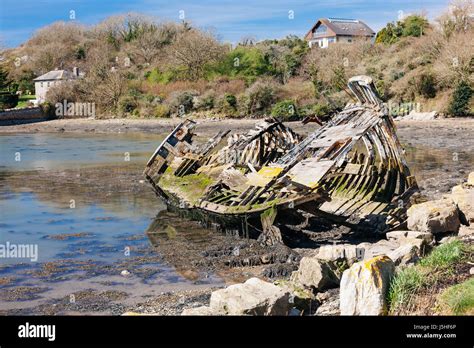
column 44, row 82
column 330, row 30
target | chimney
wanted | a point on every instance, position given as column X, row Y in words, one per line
column 75, row 71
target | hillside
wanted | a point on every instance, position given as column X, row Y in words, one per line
column 136, row 66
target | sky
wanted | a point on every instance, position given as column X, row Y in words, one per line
column 231, row 20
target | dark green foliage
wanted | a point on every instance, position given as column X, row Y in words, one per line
column 413, row 25
column 459, row 105
column 427, row 86
column 285, row 110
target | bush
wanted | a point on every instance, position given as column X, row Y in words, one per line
column 259, row 97
column 205, row 101
column 128, row 104
column 462, row 94
column 427, row 86
column 227, row 104
column 8, row 100
column 161, row 111
column 181, row 102
column 285, row 110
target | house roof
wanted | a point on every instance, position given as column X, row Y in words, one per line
column 343, row 27
column 56, row 75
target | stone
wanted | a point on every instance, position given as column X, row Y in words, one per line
column 125, row 273
column 434, row 216
column 405, row 254
column 254, row 297
column 329, row 303
column 364, row 287
column 464, row 198
column 408, row 236
column 338, row 252
column 471, row 271
column 466, row 231
column 382, row 247
column 470, row 179
column 202, row 310
column 447, row 239
column 316, row 274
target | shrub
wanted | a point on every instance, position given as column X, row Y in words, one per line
column 285, row 110
column 127, row 104
column 427, row 86
column 161, row 111
column 181, row 102
column 259, row 97
column 205, row 101
column 8, row 100
column 460, row 100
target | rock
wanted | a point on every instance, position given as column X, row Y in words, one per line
column 471, row 271
column 434, row 216
column 338, row 252
column 382, row 247
column 364, row 287
column 405, row 254
column 407, row 236
column 315, row 273
column 202, row 310
column 448, row 239
column 470, row 179
column 125, row 273
column 254, row 297
column 421, row 116
column 329, row 303
column 466, row 231
column 464, row 198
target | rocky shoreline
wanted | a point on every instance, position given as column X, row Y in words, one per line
column 363, row 272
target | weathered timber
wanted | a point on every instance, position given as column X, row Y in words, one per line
column 352, row 169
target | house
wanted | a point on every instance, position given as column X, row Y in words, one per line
column 330, row 30
column 44, row 82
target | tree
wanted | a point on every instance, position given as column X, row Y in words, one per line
column 459, row 105
column 4, row 80
column 194, row 51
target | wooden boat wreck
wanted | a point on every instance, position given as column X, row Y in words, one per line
column 351, row 170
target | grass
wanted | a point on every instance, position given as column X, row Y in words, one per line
column 408, row 282
column 458, row 299
column 23, row 101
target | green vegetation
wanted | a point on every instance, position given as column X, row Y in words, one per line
column 439, row 264
column 25, row 100
column 459, row 105
column 137, row 66
column 413, row 25
column 458, row 299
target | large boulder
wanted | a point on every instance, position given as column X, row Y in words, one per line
column 368, row 251
column 463, row 196
column 364, row 287
column 434, row 216
column 316, row 274
column 203, row 310
column 403, row 237
column 405, row 254
column 254, row 297
column 338, row 252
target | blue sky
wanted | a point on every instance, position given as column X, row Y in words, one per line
column 231, row 20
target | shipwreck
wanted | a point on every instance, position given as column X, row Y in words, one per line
column 351, row 170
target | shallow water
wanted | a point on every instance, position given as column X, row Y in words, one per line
column 82, row 201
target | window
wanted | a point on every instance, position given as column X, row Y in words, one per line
column 322, row 29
